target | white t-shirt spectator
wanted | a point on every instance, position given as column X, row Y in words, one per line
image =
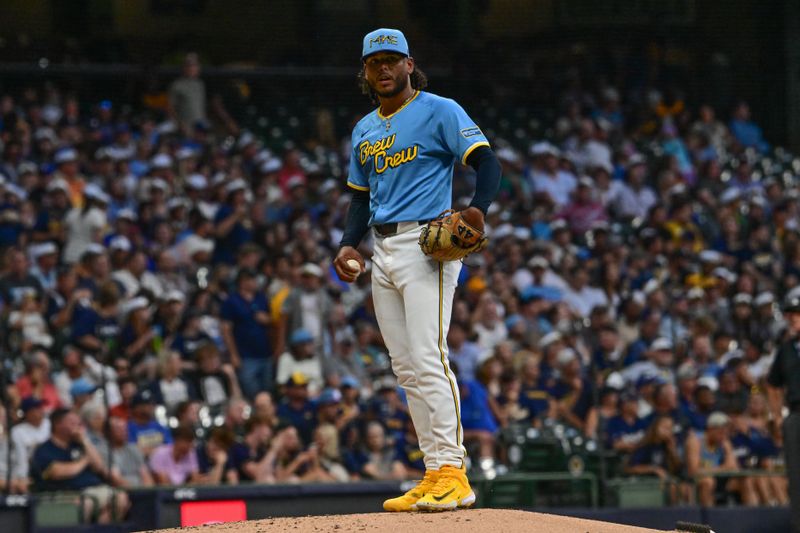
column 490, row 336
column 148, row 281
column 558, row 187
column 627, row 202
column 523, row 278
column 82, row 230
column 25, row 438
column 591, row 154
column 311, row 368
column 582, row 302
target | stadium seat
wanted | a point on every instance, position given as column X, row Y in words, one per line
column 643, row 491
column 58, row 510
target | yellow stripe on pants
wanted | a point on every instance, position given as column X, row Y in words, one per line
column 459, row 432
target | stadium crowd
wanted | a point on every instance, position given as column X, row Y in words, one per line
column 170, row 314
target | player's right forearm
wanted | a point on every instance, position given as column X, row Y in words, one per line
column 357, row 222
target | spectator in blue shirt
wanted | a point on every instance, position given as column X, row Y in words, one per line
column 253, row 458
column 573, row 394
column 143, row 429
column 214, row 459
column 245, row 323
column 627, row 429
column 476, row 415
column 232, row 225
column 705, row 401
column 388, row 407
column 407, row 452
column 657, row 453
column 745, row 131
column 296, row 409
column 68, row 461
column 96, row 329
column 190, row 337
column 535, row 398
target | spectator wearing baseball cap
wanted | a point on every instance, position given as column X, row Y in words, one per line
column 295, row 408
column 27, row 435
column 44, row 257
column 625, row 431
column 711, row 452
column 233, row 227
column 82, row 391
column 308, row 305
column 245, row 321
column 143, row 429
column 329, row 412
column 548, row 181
column 84, row 224
column 68, row 170
column 301, row 357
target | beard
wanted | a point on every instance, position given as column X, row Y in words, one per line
column 400, row 83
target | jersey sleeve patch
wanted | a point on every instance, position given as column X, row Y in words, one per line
column 471, row 132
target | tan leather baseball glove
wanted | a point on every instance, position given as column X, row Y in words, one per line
column 449, row 237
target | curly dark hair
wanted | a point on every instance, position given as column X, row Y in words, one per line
column 418, row 82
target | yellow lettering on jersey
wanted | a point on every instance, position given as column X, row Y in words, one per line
column 384, row 161
column 367, row 149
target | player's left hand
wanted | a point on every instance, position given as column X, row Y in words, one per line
column 474, row 217
column 453, row 235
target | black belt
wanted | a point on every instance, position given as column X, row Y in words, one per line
column 389, row 229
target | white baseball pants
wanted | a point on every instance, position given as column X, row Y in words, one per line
column 413, row 299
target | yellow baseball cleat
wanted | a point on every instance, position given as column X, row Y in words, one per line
column 452, row 491
column 408, row 501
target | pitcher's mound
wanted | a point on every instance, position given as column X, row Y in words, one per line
column 468, row 521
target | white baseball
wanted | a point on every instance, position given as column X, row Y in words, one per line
column 353, row 265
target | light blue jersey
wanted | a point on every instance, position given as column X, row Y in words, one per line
column 405, row 160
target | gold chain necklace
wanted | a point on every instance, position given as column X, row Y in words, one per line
column 388, row 119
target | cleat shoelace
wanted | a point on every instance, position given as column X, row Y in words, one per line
column 425, row 483
column 443, row 483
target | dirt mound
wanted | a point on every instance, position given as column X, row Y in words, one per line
column 475, row 520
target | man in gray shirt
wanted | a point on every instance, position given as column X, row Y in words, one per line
column 128, row 467
column 187, row 95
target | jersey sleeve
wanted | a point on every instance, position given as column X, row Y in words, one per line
column 356, row 178
column 461, row 134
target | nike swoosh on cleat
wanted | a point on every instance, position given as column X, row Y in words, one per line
column 443, row 496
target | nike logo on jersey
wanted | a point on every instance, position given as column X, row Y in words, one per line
column 443, row 496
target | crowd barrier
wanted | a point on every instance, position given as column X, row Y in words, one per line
column 183, row 506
